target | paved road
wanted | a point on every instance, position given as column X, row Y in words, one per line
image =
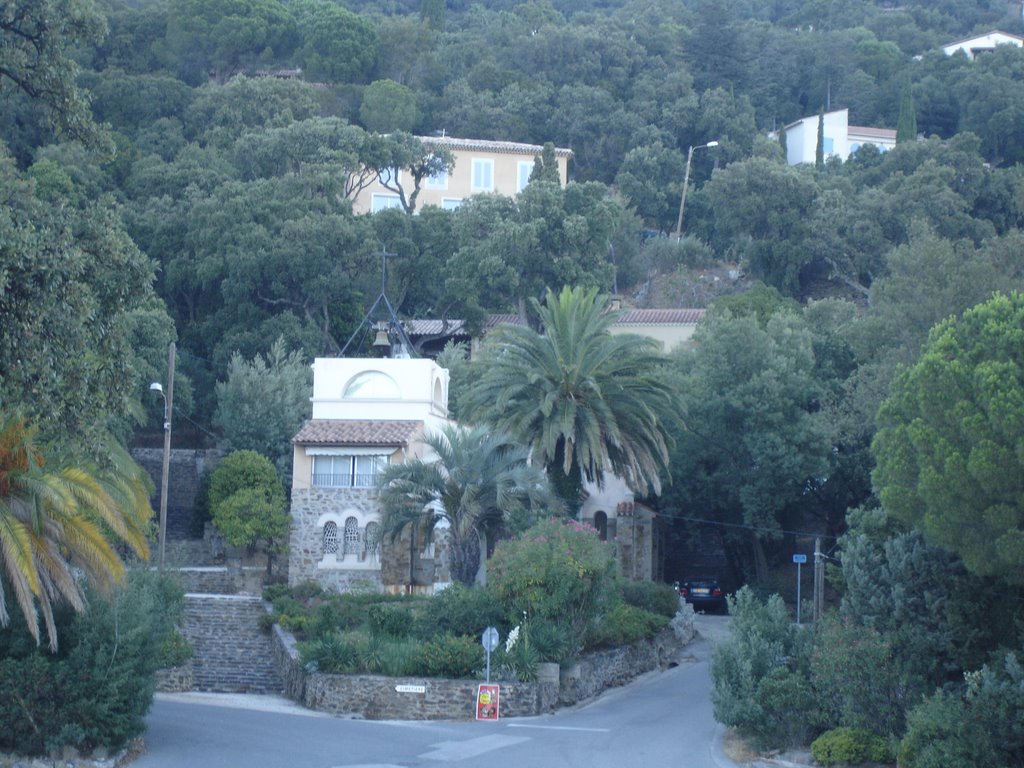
column 664, row 718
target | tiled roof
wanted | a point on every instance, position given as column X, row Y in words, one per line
column 435, row 327
column 863, row 130
column 493, row 321
column 338, row 432
column 628, row 317
column 482, row 145
column 660, row 317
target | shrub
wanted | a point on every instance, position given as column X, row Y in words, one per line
column 557, row 572
column 389, row 621
column 624, row 624
column 983, row 725
column 761, row 677
column 461, row 610
column 550, row 640
column 333, row 653
column 650, row 596
column 336, row 614
column 850, row 746
column 306, row 591
column 451, row 656
column 518, row 662
column 855, row 679
column 400, row 658
column 96, row 690
column 274, row 591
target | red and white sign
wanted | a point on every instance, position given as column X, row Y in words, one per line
column 487, row 702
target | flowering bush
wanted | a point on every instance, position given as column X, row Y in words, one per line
column 557, row 573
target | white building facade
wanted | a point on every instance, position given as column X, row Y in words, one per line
column 839, row 138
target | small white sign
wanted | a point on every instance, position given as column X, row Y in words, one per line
column 411, row 688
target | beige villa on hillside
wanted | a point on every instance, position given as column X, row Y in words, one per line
column 480, row 166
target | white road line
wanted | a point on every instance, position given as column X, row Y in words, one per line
column 559, row 728
column 461, row 750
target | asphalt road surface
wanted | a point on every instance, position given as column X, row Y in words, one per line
column 662, row 719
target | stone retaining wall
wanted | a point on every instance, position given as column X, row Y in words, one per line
column 376, row 698
column 223, row 580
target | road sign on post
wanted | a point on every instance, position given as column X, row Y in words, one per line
column 489, row 640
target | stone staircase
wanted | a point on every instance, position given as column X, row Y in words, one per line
column 231, row 654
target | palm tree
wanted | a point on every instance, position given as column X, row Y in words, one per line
column 584, row 401
column 54, row 521
column 479, row 479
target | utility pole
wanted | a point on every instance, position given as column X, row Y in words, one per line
column 819, row 580
column 686, row 184
column 168, row 410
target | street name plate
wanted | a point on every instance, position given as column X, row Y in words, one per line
column 800, row 559
column 411, row 688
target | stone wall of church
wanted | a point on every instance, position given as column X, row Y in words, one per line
column 375, row 562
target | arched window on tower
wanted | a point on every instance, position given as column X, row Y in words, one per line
column 351, row 537
column 330, row 538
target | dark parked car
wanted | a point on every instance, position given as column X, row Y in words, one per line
column 703, row 593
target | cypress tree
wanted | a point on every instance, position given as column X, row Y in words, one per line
column 906, row 125
column 819, row 149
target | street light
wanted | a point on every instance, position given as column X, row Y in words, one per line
column 168, row 397
column 686, row 183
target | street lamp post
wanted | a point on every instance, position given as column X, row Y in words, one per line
column 168, row 397
column 686, row 184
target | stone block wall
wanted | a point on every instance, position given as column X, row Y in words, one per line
column 186, row 467
column 617, row 666
column 305, row 544
column 376, row 698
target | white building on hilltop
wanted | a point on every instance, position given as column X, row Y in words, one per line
column 972, row 46
column 839, row 138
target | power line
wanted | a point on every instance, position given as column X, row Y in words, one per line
column 744, row 526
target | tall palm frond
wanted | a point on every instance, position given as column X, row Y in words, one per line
column 477, row 479
column 53, row 521
column 584, row 401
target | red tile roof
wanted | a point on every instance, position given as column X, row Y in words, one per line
column 339, row 432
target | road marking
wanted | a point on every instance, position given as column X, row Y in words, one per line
column 559, row 728
column 462, row 750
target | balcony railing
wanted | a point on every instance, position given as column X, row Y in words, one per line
column 346, row 480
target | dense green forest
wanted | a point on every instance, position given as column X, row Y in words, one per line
column 183, row 170
column 160, row 186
